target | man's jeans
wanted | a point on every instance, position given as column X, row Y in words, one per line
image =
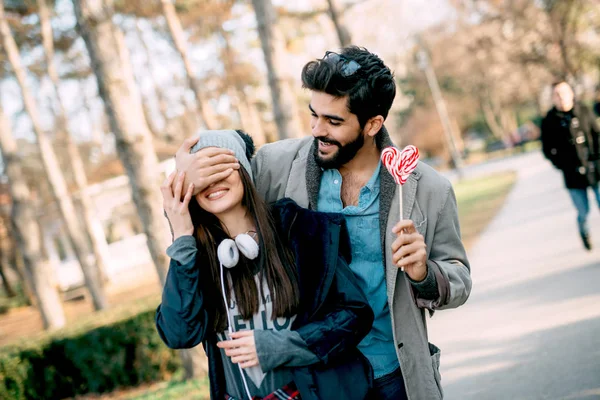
column 388, row 387
column 581, row 201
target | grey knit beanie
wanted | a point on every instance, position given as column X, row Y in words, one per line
column 225, row 139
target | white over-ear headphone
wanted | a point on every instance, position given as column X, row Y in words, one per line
column 228, row 254
column 228, row 250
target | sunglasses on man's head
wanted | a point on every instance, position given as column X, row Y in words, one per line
column 348, row 68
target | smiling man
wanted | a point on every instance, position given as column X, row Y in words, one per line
column 338, row 170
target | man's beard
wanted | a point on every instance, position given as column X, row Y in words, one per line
column 342, row 156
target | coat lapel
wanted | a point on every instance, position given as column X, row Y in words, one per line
column 313, row 178
column 302, row 179
column 387, row 189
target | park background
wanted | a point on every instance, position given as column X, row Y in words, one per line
column 79, row 180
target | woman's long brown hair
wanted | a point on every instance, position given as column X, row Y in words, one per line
column 275, row 262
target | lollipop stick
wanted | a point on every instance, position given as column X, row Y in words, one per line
column 401, row 210
column 400, row 201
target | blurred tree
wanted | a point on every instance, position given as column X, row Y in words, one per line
column 98, row 128
column 154, row 87
column 147, row 109
column 550, row 34
column 8, row 287
column 106, row 46
column 338, row 21
column 53, row 171
column 483, row 77
column 7, row 274
column 91, row 225
column 112, row 67
column 284, row 102
column 177, row 35
column 37, row 269
column 237, row 77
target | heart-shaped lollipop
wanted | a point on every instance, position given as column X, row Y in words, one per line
column 400, row 164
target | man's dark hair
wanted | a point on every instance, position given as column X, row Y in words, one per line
column 370, row 85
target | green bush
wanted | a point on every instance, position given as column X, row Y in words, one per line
column 7, row 303
column 121, row 354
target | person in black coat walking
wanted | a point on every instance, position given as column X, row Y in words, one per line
column 266, row 290
column 570, row 140
column 597, row 103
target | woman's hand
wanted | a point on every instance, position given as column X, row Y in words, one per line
column 177, row 210
column 205, row 167
column 241, row 349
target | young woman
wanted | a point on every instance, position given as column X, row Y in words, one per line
column 267, row 290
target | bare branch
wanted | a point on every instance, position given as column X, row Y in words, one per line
column 312, row 14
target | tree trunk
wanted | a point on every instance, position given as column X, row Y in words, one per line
column 148, row 114
column 185, row 126
column 251, row 120
column 242, row 121
column 18, row 260
column 14, row 260
column 95, row 126
column 96, row 237
column 257, row 119
column 204, row 108
column 54, row 174
column 4, row 250
column 112, row 67
column 569, row 71
column 237, row 95
column 491, row 121
column 154, row 131
column 562, row 31
column 158, row 94
column 24, row 221
column 532, row 89
column 285, row 107
column 8, row 289
column 340, row 28
column 195, row 363
column 509, row 120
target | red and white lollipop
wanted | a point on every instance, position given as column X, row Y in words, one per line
column 400, row 164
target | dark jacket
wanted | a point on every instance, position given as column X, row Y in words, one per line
column 334, row 314
column 570, row 141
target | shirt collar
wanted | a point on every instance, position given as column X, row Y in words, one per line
column 374, row 179
column 370, row 184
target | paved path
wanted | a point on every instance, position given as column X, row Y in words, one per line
column 531, row 329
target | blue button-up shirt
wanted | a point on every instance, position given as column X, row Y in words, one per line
column 367, row 262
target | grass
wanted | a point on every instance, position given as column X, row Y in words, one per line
column 196, row 389
column 177, row 388
column 479, row 200
column 479, row 157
